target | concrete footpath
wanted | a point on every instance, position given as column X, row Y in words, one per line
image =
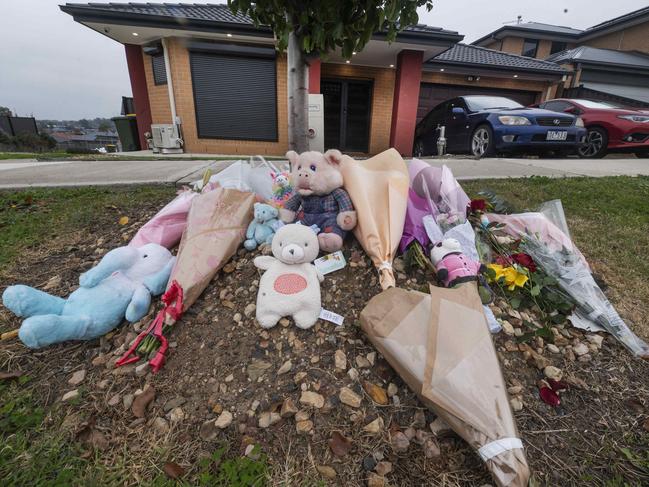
column 22, row 173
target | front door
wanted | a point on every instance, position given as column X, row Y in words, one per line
column 347, row 106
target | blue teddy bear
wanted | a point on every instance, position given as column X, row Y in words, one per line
column 119, row 287
column 262, row 227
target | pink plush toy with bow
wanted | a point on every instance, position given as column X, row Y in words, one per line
column 452, row 266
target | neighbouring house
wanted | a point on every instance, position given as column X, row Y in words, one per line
column 222, row 80
column 87, row 141
column 608, row 61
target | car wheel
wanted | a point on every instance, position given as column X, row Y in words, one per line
column 482, row 141
column 418, row 149
column 596, row 144
column 642, row 155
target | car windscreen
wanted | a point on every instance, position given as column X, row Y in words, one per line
column 596, row 104
column 477, row 103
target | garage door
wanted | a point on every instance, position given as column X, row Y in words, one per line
column 432, row 94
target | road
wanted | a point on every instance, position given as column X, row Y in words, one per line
column 22, row 173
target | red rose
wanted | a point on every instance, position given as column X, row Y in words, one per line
column 478, row 205
column 525, row 260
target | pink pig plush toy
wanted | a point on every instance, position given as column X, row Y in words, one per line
column 319, row 197
column 452, row 266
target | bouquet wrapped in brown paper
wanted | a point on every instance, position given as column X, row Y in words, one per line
column 440, row 345
column 216, row 226
column 378, row 187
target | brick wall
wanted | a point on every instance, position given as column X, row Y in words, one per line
column 158, row 95
column 382, row 94
column 635, row 38
column 184, row 96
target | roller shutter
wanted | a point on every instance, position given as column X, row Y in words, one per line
column 235, row 96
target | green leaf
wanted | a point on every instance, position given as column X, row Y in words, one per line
column 535, row 291
column 515, row 303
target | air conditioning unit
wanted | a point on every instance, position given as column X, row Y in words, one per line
column 166, row 139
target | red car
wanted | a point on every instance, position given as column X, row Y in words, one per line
column 611, row 128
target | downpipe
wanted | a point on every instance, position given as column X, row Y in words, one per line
column 441, row 140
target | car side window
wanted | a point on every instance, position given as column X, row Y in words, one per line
column 556, row 106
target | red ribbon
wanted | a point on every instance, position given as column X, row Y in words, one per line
column 173, row 300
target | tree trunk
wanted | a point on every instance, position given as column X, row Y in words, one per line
column 298, row 96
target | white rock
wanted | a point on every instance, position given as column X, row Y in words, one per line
column 353, row 374
column 77, row 378
column 552, row 348
column 176, row 415
column 285, row 368
column 392, row 389
column 552, row 372
column 374, row 427
column 267, row 419
column 508, row 328
column 249, row 310
column 229, row 378
column 160, row 425
column 516, row 403
column 595, row 340
column 224, row 420
column 349, row 397
column 362, row 362
column 371, row 358
column 313, row 399
column 70, row 395
column 340, row 360
column 142, row 369
column 580, row 349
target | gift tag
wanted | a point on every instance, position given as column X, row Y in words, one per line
column 330, row 262
column 331, row 316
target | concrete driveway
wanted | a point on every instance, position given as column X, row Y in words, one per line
column 21, row 173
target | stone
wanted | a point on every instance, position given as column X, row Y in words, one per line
column 507, row 328
column 431, row 448
column 302, row 415
column 176, row 415
column 288, row 408
column 585, row 358
column 580, row 349
column 399, row 442
column 353, row 374
column 127, row 401
column 257, row 368
column 267, row 419
column 552, row 348
column 596, row 340
column 419, row 419
column 174, row 403
column 160, row 426
column 375, row 480
column 312, row 399
column 516, row 403
column 224, row 420
column 377, row 393
column 362, row 362
column 374, row 427
column 340, row 360
column 392, row 389
column 229, row 378
column 114, row 401
column 285, row 368
column 100, row 359
column 326, row 471
column 249, row 310
column 371, row 358
column 514, row 390
column 142, row 369
column 439, row 427
column 369, row 463
column 208, row 431
column 383, row 468
column 299, row 377
column 70, row 395
column 349, row 397
column 304, row 426
column 552, row 372
column 77, row 378
column 410, row 432
column 510, row 346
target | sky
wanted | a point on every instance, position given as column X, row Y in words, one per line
column 55, row 68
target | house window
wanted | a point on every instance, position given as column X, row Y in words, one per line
column 557, row 47
column 529, row 47
column 159, row 69
column 235, row 96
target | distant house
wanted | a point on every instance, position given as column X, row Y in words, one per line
column 609, row 61
column 90, row 140
column 222, row 78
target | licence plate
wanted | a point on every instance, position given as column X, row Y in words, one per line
column 557, row 135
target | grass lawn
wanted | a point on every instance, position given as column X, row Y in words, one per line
column 44, row 441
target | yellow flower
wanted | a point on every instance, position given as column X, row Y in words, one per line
column 512, row 276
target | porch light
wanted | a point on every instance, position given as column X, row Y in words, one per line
column 441, row 69
column 135, row 34
column 392, row 65
column 348, row 61
column 228, row 35
column 354, row 53
column 515, row 76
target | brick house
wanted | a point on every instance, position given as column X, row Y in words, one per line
column 226, row 84
column 608, row 61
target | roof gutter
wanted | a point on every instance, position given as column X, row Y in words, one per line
column 466, row 68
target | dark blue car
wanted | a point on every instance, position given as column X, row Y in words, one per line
column 488, row 125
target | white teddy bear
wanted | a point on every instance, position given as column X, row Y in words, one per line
column 291, row 284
